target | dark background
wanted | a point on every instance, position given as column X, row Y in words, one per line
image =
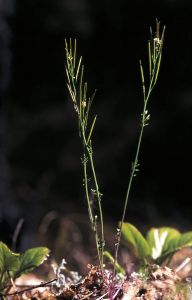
column 40, row 150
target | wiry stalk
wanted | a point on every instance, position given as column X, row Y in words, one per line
column 154, row 53
column 82, row 104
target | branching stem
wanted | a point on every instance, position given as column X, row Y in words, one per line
column 78, row 92
column 154, row 52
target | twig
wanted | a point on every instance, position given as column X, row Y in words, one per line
column 102, row 296
column 11, row 285
column 183, row 264
column 86, row 296
column 43, row 284
column 117, row 292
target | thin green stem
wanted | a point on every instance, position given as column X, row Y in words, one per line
column 99, row 242
column 93, row 223
column 135, row 162
column 87, row 192
column 78, row 92
column 133, row 171
column 154, row 53
column 98, row 194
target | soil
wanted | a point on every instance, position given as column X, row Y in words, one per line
column 161, row 283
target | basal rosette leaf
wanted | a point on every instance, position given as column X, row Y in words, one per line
column 31, row 259
column 118, row 267
column 159, row 240
column 136, row 239
column 185, row 240
column 9, row 261
column 176, row 244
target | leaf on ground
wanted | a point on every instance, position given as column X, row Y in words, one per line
column 160, row 239
column 9, row 261
column 136, row 239
column 177, row 243
column 31, row 259
column 118, row 267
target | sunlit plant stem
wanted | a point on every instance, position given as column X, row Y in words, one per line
column 82, row 104
column 155, row 46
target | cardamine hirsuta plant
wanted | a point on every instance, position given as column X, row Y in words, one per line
column 82, row 102
column 161, row 243
column 157, row 248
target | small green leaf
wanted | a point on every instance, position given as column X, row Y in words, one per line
column 185, row 240
column 31, row 259
column 136, row 239
column 118, row 267
column 177, row 243
column 9, row 260
column 159, row 240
